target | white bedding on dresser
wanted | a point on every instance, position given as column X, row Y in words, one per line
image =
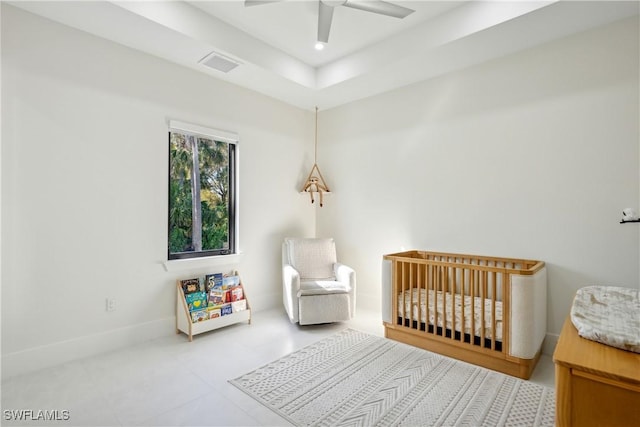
column 609, row 315
column 444, row 300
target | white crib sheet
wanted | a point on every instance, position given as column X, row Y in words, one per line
column 444, row 304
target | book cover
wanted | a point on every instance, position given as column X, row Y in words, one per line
column 230, row 281
column 199, row 316
column 190, row 286
column 216, row 297
column 214, row 313
column 226, row 309
column 237, row 293
column 213, row 281
column 239, row 305
column 196, row 300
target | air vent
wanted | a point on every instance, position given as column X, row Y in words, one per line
column 219, row 62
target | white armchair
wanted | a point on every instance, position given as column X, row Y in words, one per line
column 316, row 287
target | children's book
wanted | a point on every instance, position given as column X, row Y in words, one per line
column 230, row 281
column 196, row 301
column 216, row 297
column 237, row 293
column 226, row 309
column 190, row 286
column 213, row 281
column 239, row 305
column 199, row 316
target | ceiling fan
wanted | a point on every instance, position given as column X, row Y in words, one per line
column 326, row 7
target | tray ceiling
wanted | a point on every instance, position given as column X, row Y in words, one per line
column 367, row 53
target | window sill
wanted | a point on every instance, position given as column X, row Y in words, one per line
column 212, row 261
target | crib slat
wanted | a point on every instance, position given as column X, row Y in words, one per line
column 483, row 295
column 410, row 282
column 463, row 293
column 438, row 285
column 428, row 295
column 493, row 310
column 445, row 292
column 409, row 293
column 404, row 295
column 424, row 295
column 454, row 292
column 419, row 291
column 445, row 289
column 401, row 289
column 473, row 285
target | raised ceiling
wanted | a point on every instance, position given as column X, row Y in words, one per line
column 367, row 53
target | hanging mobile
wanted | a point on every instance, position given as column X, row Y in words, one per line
column 315, row 182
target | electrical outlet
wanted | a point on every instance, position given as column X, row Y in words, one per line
column 111, row 304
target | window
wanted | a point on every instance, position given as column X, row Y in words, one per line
column 202, row 191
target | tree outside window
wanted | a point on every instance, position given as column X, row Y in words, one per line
column 201, row 196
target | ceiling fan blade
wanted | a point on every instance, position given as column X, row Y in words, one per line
column 248, row 3
column 380, row 7
column 325, row 16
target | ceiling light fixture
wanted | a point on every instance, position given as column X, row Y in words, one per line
column 319, row 45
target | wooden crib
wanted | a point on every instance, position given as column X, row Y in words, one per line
column 484, row 310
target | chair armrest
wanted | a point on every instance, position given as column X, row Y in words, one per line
column 290, row 289
column 345, row 274
column 291, row 278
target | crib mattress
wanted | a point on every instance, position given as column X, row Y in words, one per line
column 609, row 315
column 443, row 299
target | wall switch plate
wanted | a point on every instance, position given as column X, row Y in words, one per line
column 111, row 304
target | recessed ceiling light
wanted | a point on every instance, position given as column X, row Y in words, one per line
column 319, row 46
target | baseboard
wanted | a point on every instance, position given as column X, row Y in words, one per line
column 37, row 358
column 549, row 343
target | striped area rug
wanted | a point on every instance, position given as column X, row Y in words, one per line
column 356, row 379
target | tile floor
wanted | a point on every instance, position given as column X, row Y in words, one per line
column 171, row 382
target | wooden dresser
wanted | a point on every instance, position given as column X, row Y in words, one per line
column 596, row 384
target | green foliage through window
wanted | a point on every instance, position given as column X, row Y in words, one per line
column 201, row 196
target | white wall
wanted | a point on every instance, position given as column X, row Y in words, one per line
column 533, row 155
column 84, row 189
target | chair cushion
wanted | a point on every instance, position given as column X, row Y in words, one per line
column 322, row 287
column 313, row 258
